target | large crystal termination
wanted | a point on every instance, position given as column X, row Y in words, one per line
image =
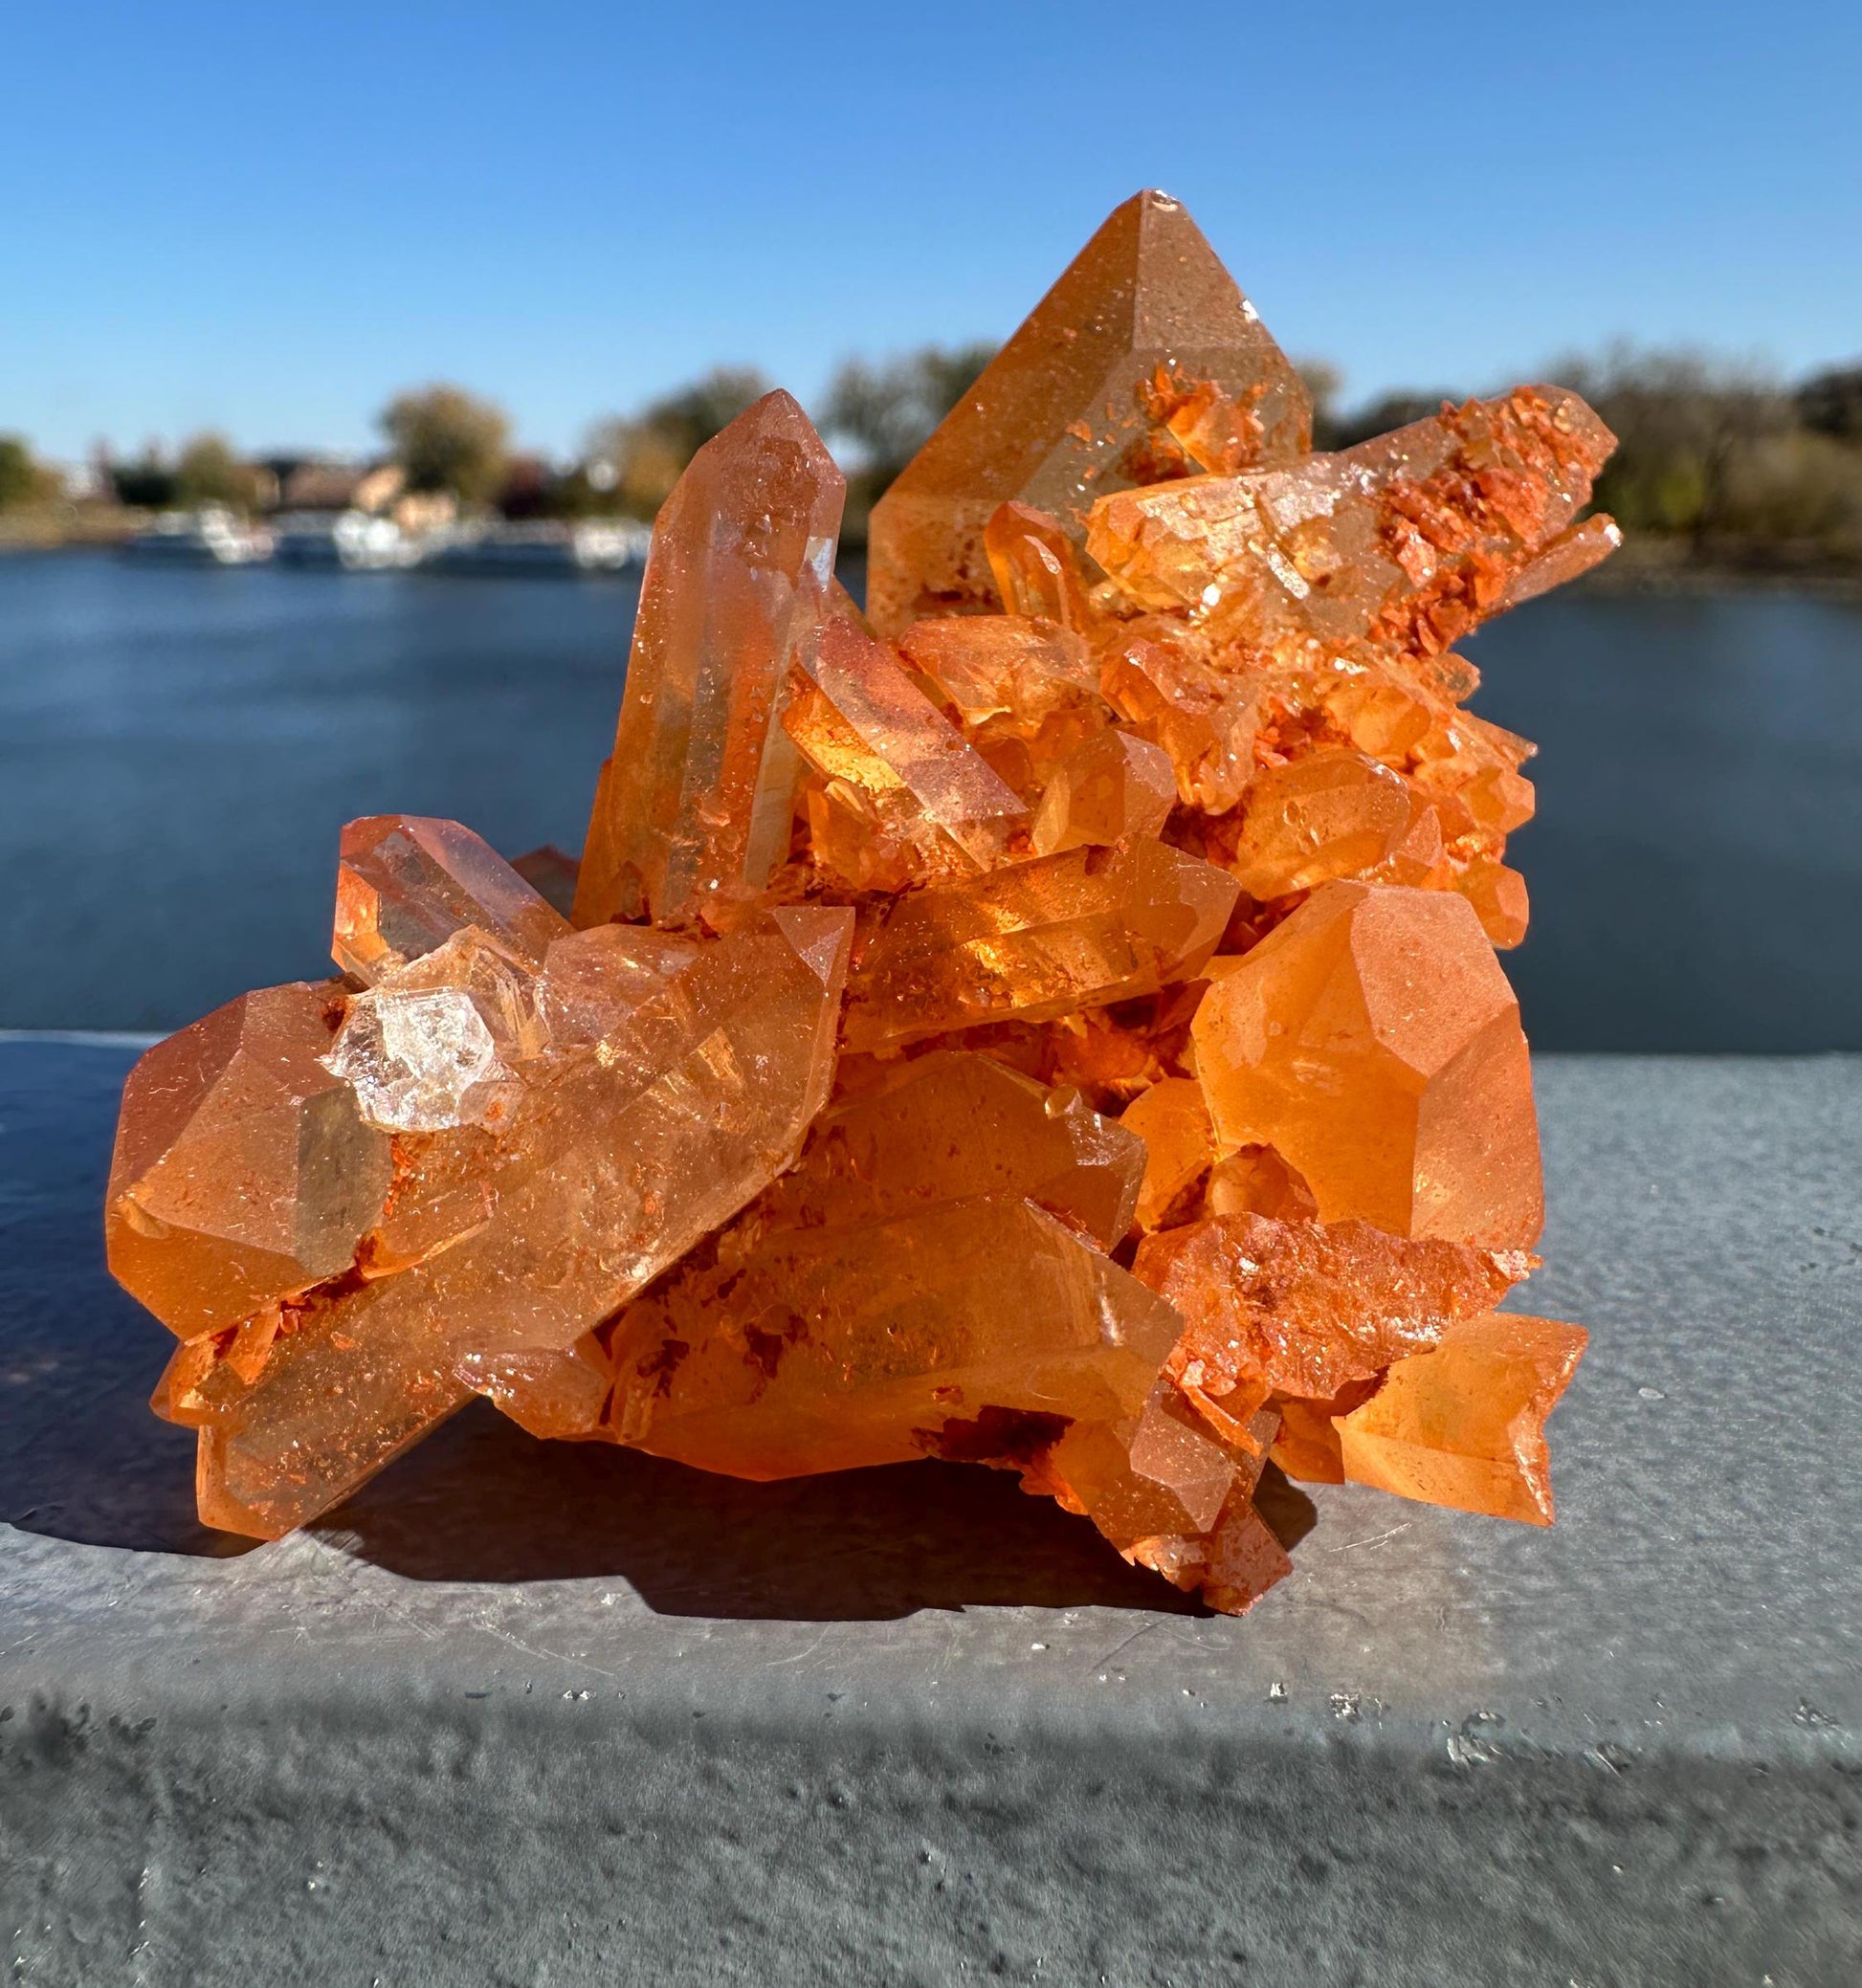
column 1143, row 357
column 1054, row 1025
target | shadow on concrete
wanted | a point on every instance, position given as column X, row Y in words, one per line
column 82, row 1458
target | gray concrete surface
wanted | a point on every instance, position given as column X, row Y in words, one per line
column 537, row 1714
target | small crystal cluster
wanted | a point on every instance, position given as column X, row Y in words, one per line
column 1049, row 1021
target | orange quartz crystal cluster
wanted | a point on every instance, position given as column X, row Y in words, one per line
column 1049, row 1020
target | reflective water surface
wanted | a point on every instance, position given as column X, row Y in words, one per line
column 179, row 747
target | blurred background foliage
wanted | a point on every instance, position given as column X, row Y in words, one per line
column 1720, row 463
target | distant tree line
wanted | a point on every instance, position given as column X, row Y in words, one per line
column 1716, row 461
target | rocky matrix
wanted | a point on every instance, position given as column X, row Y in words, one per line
column 1051, row 1022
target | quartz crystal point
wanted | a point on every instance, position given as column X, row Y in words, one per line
column 699, row 796
column 243, row 1171
column 1114, row 785
column 1038, row 940
column 871, row 731
column 1373, row 1042
column 1464, row 1425
column 613, row 1158
column 1054, row 1025
column 1329, row 815
column 1079, row 402
column 1413, row 538
column 406, row 883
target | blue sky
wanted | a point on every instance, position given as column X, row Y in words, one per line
column 266, row 218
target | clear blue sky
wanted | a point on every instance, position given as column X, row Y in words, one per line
column 267, row 218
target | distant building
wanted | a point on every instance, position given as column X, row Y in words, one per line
column 322, row 484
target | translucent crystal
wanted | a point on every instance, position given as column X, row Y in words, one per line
column 1065, row 410
column 243, row 1170
column 1373, row 1042
column 697, row 799
column 1329, row 815
column 881, row 736
column 612, row 1162
column 1413, row 538
column 1306, row 1306
column 1113, row 786
column 406, row 883
column 1037, row 939
column 1464, row 1425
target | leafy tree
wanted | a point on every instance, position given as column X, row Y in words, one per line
column 22, row 479
column 209, row 471
column 1829, row 403
column 147, row 481
column 448, row 439
column 1685, row 424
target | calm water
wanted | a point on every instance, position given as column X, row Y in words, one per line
column 178, row 748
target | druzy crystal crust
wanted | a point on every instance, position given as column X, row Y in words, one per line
column 1052, row 1023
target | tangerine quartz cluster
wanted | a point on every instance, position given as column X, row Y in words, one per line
column 1049, row 1021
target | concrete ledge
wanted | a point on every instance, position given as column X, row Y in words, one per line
column 547, row 1713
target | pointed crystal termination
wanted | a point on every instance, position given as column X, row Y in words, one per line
column 1413, row 538
column 1305, row 1306
column 1465, row 1425
column 1113, row 786
column 1035, row 941
column 1373, row 1042
column 883, row 740
column 243, row 1170
column 615, row 1159
column 1329, row 815
column 698, row 798
column 406, row 883
column 1171, row 1493
column 1026, row 691
column 1070, row 407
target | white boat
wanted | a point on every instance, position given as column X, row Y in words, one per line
column 543, row 546
column 210, row 536
column 356, row 541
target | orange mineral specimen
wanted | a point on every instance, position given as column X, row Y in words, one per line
column 1306, row 1306
column 1113, row 786
column 1035, row 941
column 1055, row 1024
column 1065, row 411
column 1413, row 538
column 1373, row 1042
column 698, row 798
column 894, row 764
column 1464, row 1425
column 609, row 1160
column 243, row 1170
column 404, row 883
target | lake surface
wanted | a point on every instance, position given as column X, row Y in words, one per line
column 178, row 749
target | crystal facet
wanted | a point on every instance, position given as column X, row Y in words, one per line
column 742, row 557
column 1070, row 406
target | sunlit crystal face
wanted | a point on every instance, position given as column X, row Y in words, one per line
column 419, row 1062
